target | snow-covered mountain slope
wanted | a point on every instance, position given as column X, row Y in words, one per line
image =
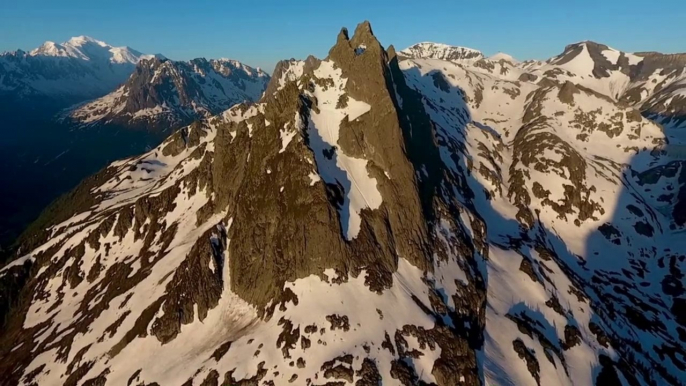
column 596, row 66
column 428, row 50
column 372, row 219
column 641, row 80
column 164, row 94
column 290, row 70
column 78, row 69
column 667, row 104
column 87, row 48
column 577, row 164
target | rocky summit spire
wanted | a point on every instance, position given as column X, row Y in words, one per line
column 375, row 137
column 343, row 35
column 378, row 137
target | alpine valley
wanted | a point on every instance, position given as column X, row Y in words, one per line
column 430, row 216
column 59, row 102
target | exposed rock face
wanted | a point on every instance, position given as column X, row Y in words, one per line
column 373, row 218
column 164, row 95
column 290, row 70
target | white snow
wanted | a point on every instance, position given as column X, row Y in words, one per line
column 81, row 67
column 150, row 112
column 612, row 55
column 473, row 132
column 293, row 71
column 89, row 49
column 314, row 178
column 19, row 261
column 633, row 59
column 503, row 56
column 429, row 50
column 149, row 175
column 316, row 300
column 289, row 131
column 582, row 64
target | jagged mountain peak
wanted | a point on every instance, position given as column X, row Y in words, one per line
column 589, row 43
column 364, row 30
column 363, row 40
column 588, row 58
column 289, row 70
column 574, row 49
column 638, row 80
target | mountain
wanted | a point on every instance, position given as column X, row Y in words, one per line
column 668, row 104
column 78, row 69
column 373, row 219
column 428, row 50
column 42, row 158
column 168, row 94
column 641, row 80
column 45, row 153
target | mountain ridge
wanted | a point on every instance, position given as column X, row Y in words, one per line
column 164, row 94
column 43, row 143
column 78, row 47
column 442, row 51
column 78, row 58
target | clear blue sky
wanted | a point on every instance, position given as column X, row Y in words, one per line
column 260, row 33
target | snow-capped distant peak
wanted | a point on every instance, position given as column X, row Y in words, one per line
column 50, row 49
column 81, row 40
column 78, row 69
column 165, row 93
column 429, row 50
column 503, row 56
column 153, row 56
column 87, row 48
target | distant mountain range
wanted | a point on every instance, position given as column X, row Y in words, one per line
column 167, row 94
column 132, row 89
column 78, row 69
column 59, row 102
column 651, row 82
column 442, row 52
